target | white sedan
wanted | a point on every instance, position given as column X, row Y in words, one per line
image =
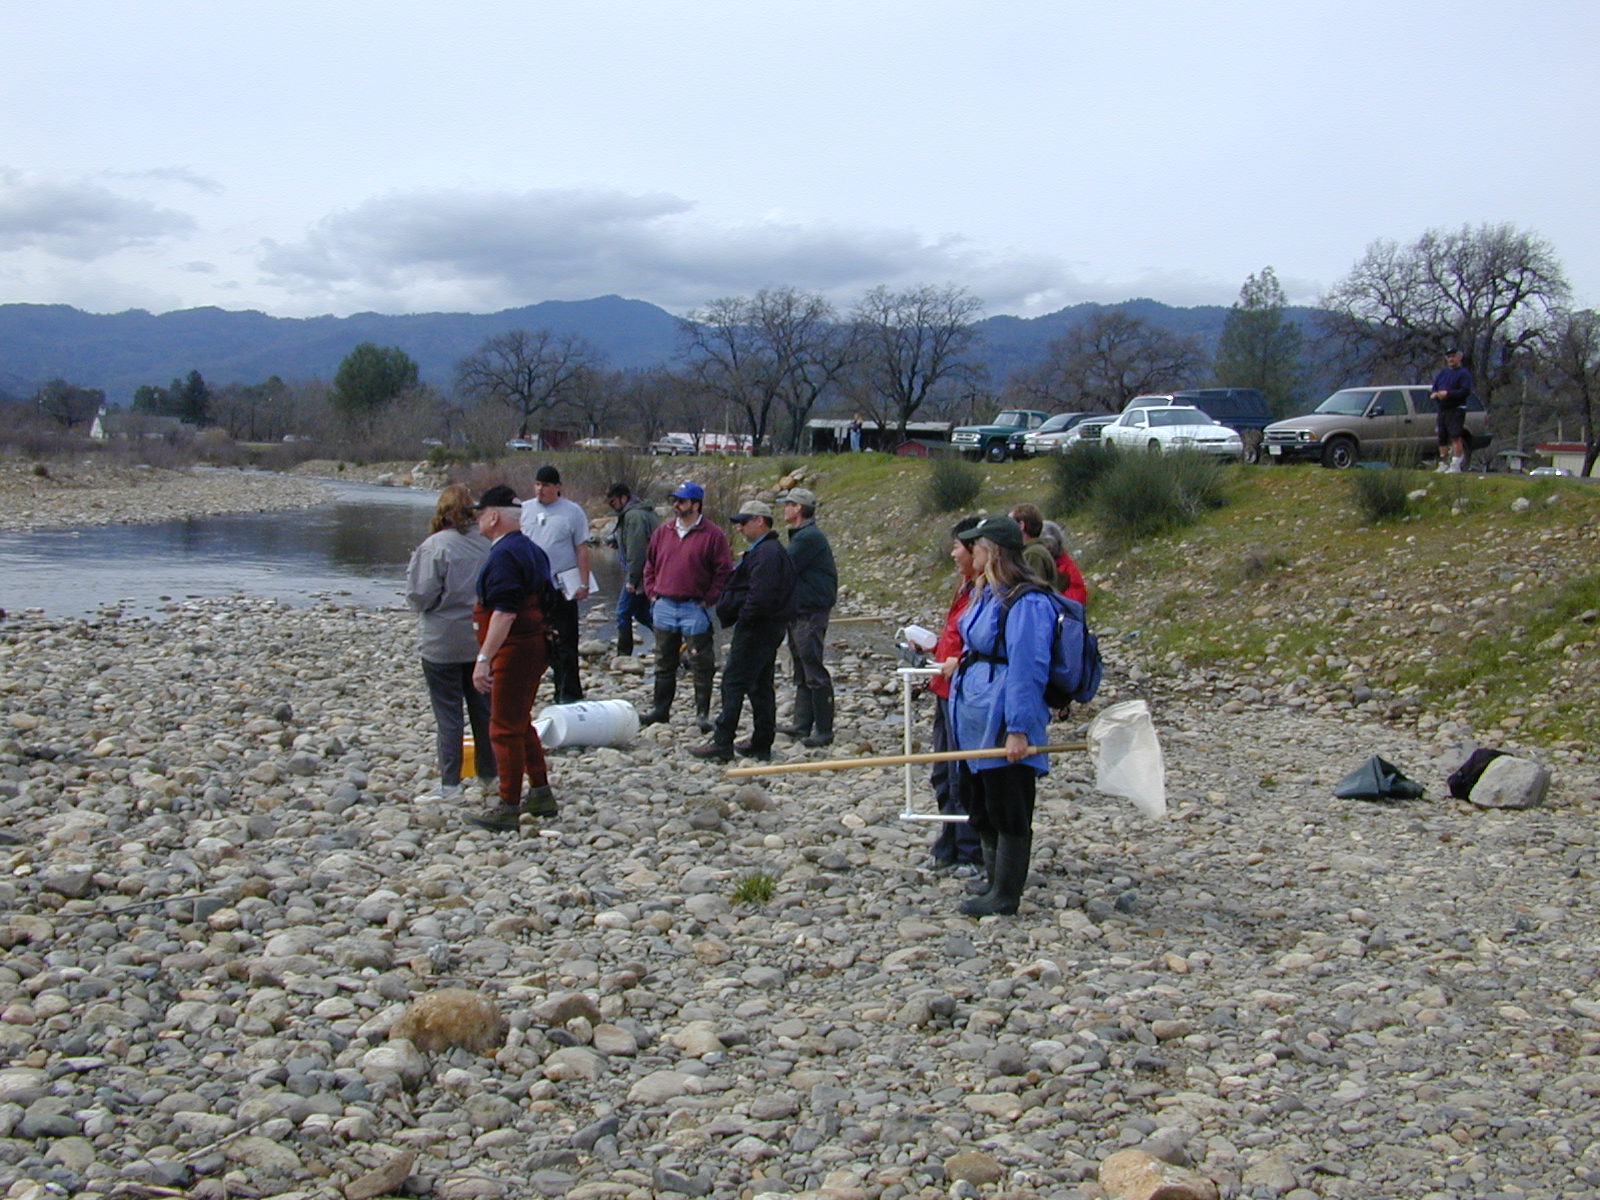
column 1165, row 430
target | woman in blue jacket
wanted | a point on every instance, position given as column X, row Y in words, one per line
column 998, row 700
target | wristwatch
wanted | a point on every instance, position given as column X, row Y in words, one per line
column 482, row 659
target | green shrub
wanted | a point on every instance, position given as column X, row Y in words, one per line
column 1381, row 493
column 1076, row 472
column 953, row 485
column 1148, row 494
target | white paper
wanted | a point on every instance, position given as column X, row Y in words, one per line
column 569, row 581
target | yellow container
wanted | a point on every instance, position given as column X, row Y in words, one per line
column 469, row 757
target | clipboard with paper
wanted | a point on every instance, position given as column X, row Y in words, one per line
column 570, row 580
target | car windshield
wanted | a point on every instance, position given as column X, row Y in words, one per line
column 1058, row 422
column 1012, row 417
column 1179, row 416
column 1348, row 403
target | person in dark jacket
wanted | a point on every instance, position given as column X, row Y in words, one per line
column 635, row 523
column 1451, row 387
column 758, row 604
column 816, row 589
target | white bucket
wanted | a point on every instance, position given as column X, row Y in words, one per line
column 588, row 723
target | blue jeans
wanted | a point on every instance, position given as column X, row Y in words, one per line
column 631, row 607
column 679, row 616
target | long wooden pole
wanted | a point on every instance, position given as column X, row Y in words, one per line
column 894, row 760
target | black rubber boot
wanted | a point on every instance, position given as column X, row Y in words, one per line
column 822, row 709
column 625, row 640
column 540, row 802
column 800, row 726
column 702, row 703
column 984, row 884
column 1011, row 858
column 661, row 702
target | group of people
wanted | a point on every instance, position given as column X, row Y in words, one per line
column 497, row 585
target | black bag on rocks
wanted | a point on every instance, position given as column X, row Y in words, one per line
column 1465, row 777
column 1377, row 779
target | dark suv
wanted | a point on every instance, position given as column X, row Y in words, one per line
column 1243, row 409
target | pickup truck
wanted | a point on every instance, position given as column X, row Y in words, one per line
column 989, row 441
column 1391, row 423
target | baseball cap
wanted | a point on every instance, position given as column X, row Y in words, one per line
column 752, row 508
column 499, row 496
column 1002, row 531
column 689, row 491
column 547, row 474
column 799, row 495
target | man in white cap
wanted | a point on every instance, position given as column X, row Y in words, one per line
column 757, row 603
column 816, row 590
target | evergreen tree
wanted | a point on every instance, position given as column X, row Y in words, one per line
column 370, row 377
column 1260, row 348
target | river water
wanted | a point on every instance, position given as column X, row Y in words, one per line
column 352, row 550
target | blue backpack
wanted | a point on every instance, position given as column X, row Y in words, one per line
column 1075, row 664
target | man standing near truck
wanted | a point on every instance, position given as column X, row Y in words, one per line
column 1451, row 387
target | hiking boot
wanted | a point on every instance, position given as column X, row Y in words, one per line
column 540, row 802
column 713, row 752
column 503, row 818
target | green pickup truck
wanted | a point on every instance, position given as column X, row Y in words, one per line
column 989, row 441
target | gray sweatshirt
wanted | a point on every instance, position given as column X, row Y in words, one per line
column 441, row 585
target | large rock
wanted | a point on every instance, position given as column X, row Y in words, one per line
column 1511, row 782
column 1135, row 1175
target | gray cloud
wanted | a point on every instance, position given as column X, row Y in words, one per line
column 187, row 176
column 507, row 249
column 78, row 219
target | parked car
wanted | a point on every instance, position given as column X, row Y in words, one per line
column 601, row 443
column 673, row 444
column 1558, row 471
column 522, row 444
column 990, row 441
column 1391, row 422
column 1164, row 430
column 1043, row 440
column 1243, row 409
column 1086, row 432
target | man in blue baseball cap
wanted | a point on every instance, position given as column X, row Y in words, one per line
column 685, row 568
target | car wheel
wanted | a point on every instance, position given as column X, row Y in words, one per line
column 1153, row 446
column 1252, row 449
column 997, row 452
column 1340, row 453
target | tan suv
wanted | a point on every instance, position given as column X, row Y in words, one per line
column 1391, row 423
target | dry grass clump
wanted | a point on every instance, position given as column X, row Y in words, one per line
column 450, row 1018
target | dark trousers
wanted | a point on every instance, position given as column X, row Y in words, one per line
column 564, row 681
column 1000, row 800
column 807, row 634
column 450, row 687
column 748, row 673
column 514, row 675
column 631, row 607
column 957, row 840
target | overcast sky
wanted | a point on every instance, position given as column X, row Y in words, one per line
column 335, row 156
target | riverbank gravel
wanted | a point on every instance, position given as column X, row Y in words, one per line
column 223, row 889
column 62, row 494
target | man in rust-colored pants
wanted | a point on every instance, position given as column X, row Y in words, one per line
column 511, row 659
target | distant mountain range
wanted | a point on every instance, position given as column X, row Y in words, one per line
column 119, row 352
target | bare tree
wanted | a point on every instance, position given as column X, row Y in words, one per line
column 1111, row 356
column 774, row 353
column 528, row 372
column 68, row 404
column 1489, row 290
column 1569, row 351
column 908, row 343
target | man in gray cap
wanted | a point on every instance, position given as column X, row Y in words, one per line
column 758, row 604
column 816, row 590
column 560, row 528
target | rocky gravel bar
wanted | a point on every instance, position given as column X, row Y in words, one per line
column 59, row 494
column 224, row 889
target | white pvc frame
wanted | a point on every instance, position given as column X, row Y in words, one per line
column 909, row 675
